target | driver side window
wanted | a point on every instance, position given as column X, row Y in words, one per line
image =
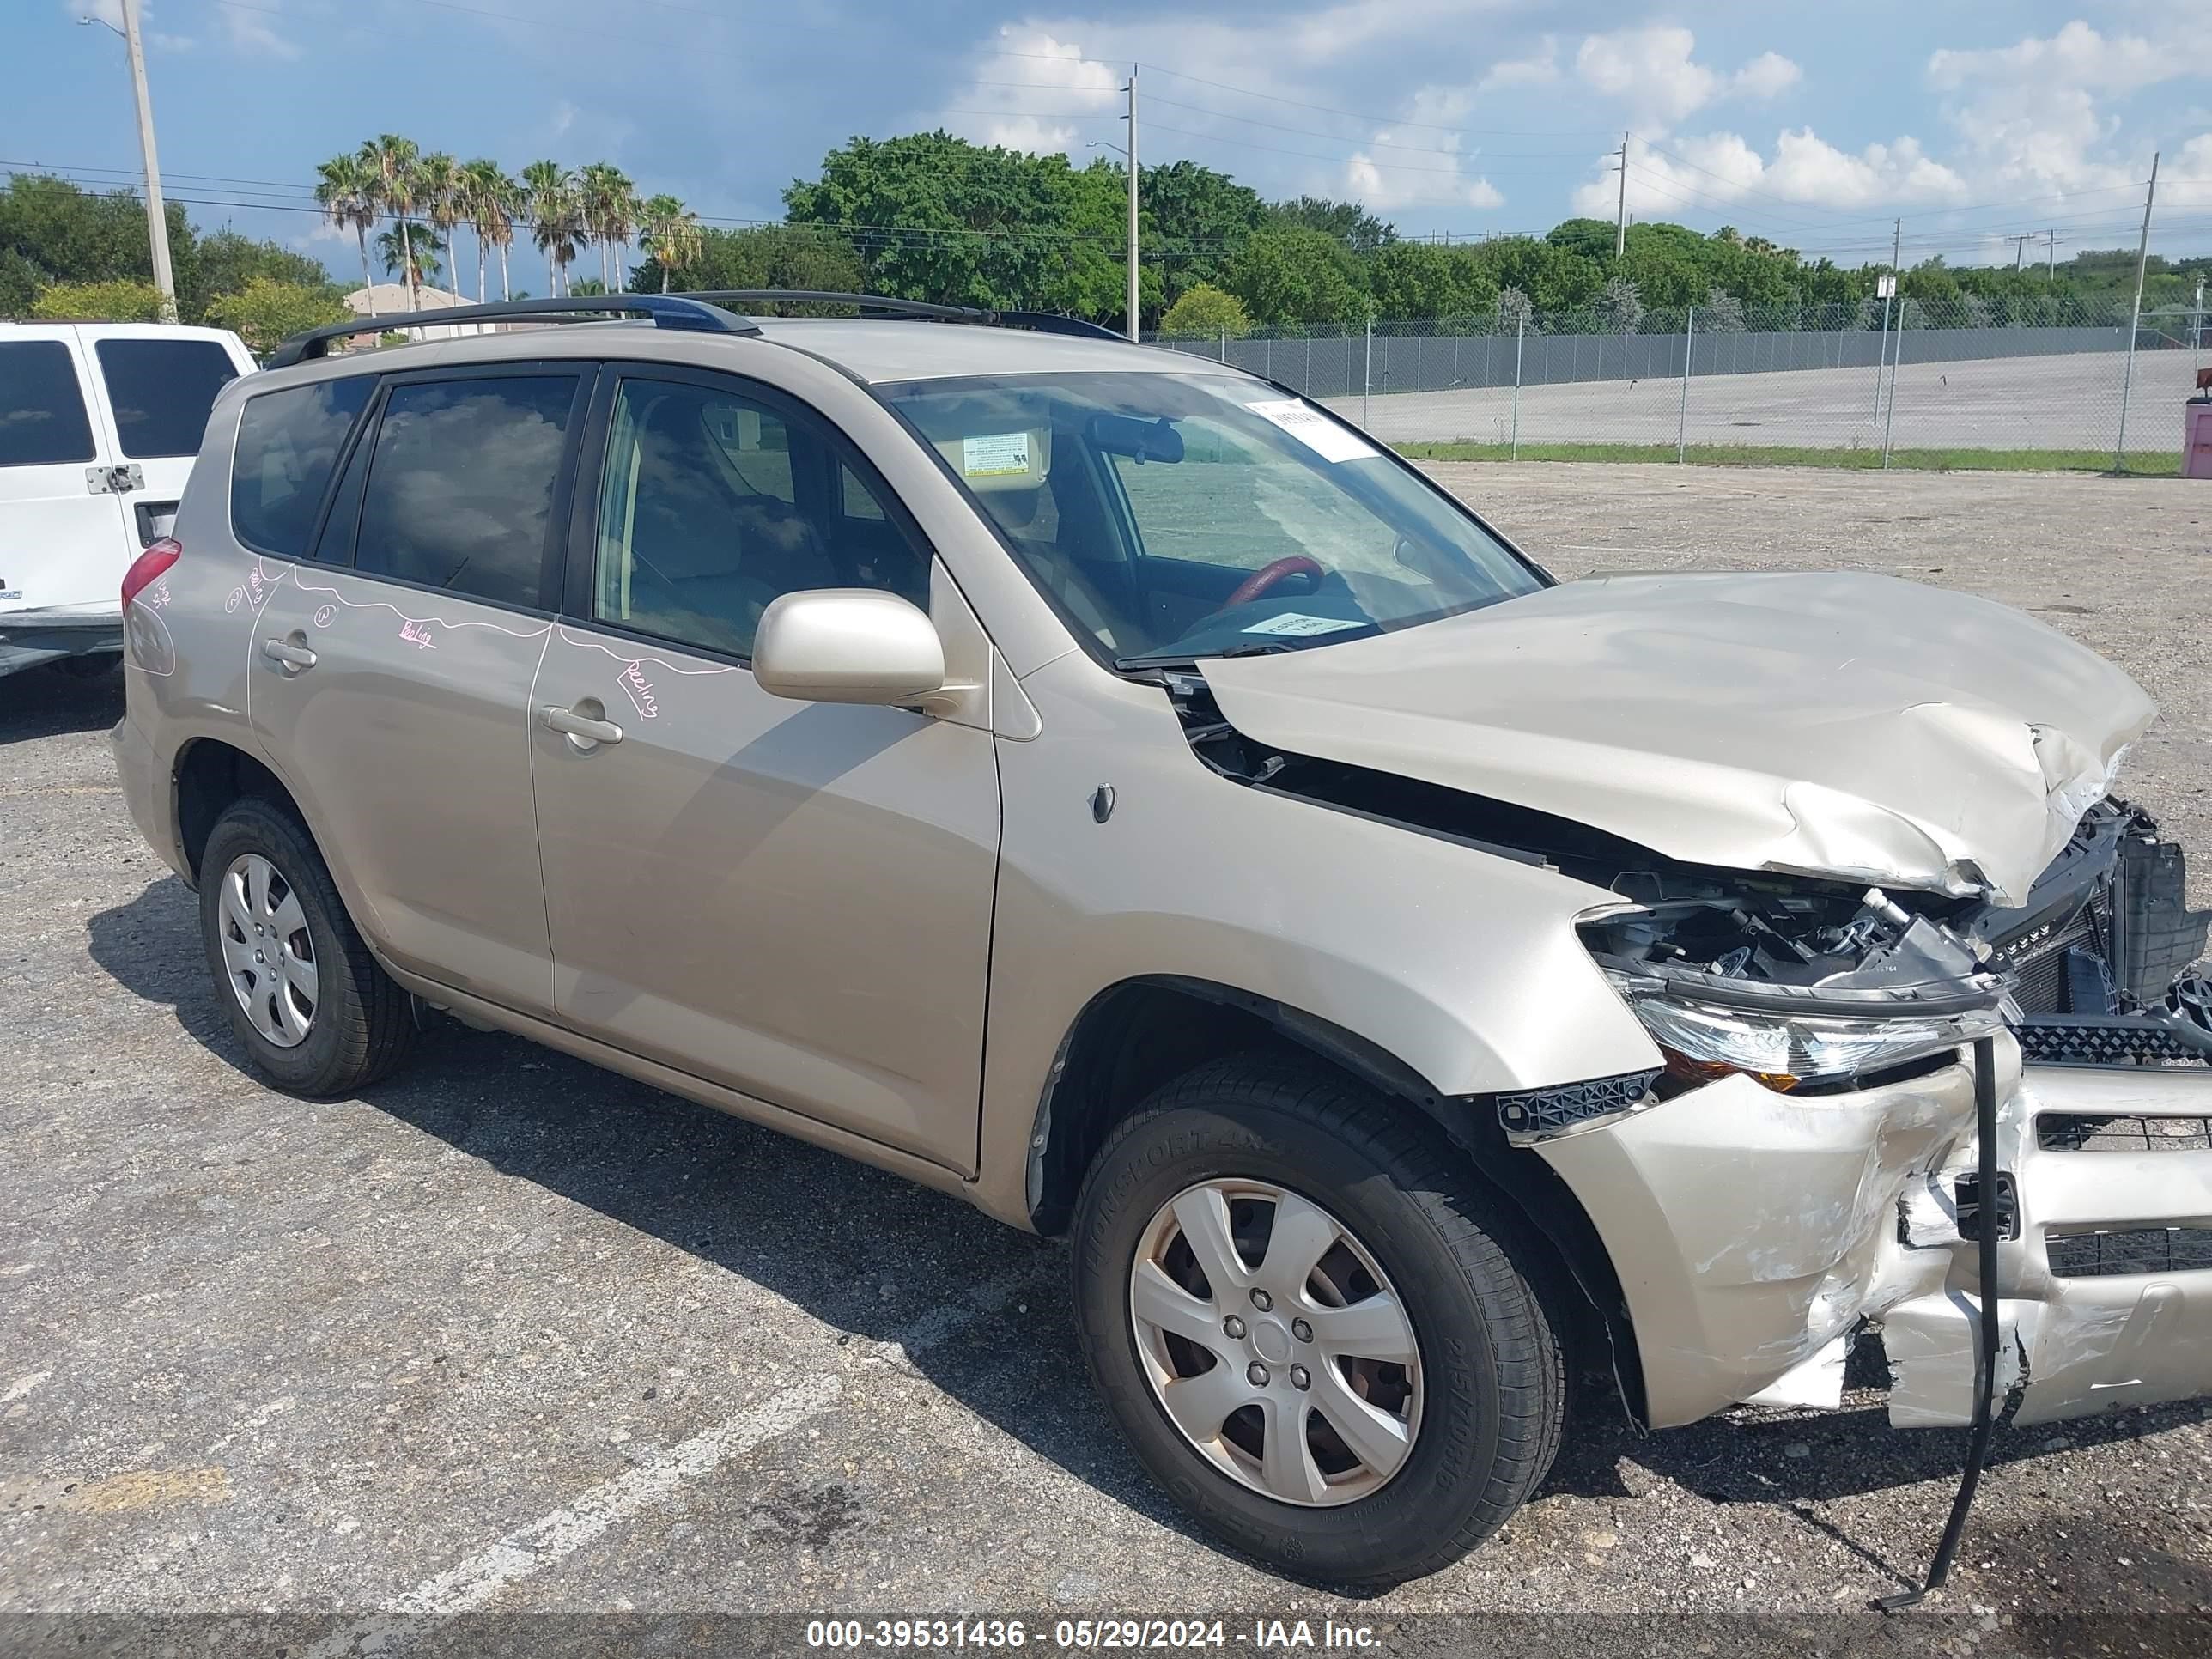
column 712, row 506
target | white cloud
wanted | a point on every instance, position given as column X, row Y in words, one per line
column 256, row 32
column 2077, row 56
column 1767, row 76
column 1436, row 178
column 1037, row 82
column 1720, row 170
column 1539, row 69
column 1649, row 70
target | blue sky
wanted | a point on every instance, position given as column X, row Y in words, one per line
column 1811, row 124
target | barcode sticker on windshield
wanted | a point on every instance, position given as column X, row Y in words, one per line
column 1292, row 623
column 995, row 454
column 1314, row 430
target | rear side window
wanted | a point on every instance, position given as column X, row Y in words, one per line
column 461, row 487
column 161, row 391
column 288, row 442
column 42, row 418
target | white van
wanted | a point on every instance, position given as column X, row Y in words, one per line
column 99, row 424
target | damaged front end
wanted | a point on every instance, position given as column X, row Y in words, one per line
column 1817, row 1168
column 1802, row 1164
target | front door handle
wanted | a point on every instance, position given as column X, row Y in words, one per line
column 286, row 655
column 580, row 729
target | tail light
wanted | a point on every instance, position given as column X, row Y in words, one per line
column 149, row 565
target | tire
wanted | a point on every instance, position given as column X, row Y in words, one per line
column 361, row 1025
column 1492, row 1383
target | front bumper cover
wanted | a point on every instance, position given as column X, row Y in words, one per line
column 1754, row 1232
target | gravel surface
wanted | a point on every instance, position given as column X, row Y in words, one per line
column 517, row 1334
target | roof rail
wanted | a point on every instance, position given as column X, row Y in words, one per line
column 1043, row 322
column 666, row 310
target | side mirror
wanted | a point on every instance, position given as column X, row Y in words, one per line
column 848, row 645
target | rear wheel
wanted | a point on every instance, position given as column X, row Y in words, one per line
column 1310, row 1326
column 315, row 1013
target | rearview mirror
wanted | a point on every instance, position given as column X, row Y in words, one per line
column 848, row 645
column 1142, row 440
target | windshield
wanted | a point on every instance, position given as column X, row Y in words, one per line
column 1173, row 517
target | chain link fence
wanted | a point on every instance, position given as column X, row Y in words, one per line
column 2054, row 376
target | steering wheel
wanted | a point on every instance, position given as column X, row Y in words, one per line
column 1298, row 564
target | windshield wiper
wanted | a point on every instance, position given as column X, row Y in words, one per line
column 1185, row 659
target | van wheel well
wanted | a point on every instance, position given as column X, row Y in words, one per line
column 1135, row 1036
column 211, row 774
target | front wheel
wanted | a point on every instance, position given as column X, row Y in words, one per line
column 1310, row 1326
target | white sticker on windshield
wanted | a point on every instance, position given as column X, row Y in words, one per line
column 1292, row 622
column 995, row 454
column 1314, row 430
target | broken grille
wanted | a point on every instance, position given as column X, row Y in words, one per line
column 2140, row 1250
column 2074, row 1132
column 2095, row 1040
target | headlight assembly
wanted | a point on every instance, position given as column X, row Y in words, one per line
column 1787, row 1050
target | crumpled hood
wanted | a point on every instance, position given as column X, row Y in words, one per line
column 1837, row 725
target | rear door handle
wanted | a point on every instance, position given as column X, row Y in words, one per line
column 580, row 727
column 286, row 653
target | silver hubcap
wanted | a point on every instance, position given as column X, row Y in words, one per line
column 1275, row 1342
column 268, row 951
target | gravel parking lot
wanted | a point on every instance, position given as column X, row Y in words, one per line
column 517, row 1335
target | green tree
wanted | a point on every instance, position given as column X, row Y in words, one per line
column 1193, row 220
column 1417, row 279
column 556, row 213
column 52, row 232
column 438, row 182
column 764, row 256
column 1619, row 307
column 1206, row 312
column 119, row 300
column 490, row 200
column 264, row 312
column 938, row 218
column 1347, row 222
column 607, row 201
column 224, row 261
column 1294, row 276
column 391, row 160
column 413, row 250
column 669, row 232
column 346, row 192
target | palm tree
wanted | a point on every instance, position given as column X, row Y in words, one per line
column 414, row 247
column 551, row 189
column 492, row 200
column 610, row 207
column 391, row 161
column 438, row 186
column 346, row 192
column 670, row 230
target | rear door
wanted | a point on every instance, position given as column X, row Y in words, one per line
column 61, row 536
column 161, row 383
column 390, row 670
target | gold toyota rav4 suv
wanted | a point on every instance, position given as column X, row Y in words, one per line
column 1096, row 781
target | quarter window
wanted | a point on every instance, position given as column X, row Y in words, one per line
column 713, row 506
column 42, row 418
column 460, row 486
column 288, row 443
column 162, row 392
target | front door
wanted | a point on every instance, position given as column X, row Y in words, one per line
column 391, row 672
column 789, row 899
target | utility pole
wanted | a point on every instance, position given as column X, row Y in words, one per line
column 2135, row 321
column 1132, row 202
column 1620, row 218
column 2051, row 255
column 157, row 223
column 1882, row 358
column 2020, row 249
column 1897, row 351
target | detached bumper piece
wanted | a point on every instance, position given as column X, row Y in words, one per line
column 28, row 638
column 2105, row 1286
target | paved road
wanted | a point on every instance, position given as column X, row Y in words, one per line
column 514, row 1334
column 2066, row 401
